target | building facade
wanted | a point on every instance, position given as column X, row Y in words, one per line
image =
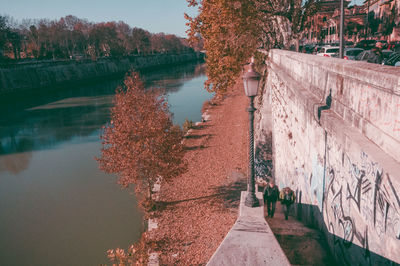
column 374, row 19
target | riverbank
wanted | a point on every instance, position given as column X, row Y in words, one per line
column 200, row 207
column 18, row 78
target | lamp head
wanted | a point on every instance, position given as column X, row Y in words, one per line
column 250, row 81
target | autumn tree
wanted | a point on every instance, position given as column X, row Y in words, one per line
column 140, row 143
column 230, row 37
column 284, row 21
column 3, row 34
column 140, row 39
column 389, row 20
column 232, row 30
column 14, row 39
column 173, row 43
column 70, row 36
column 124, row 34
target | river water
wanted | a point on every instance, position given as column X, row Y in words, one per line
column 56, row 207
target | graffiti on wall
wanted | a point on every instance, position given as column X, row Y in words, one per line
column 360, row 201
column 316, row 181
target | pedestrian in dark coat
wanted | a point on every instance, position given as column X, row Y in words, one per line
column 271, row 194
column 376, row 54
column 287, row 198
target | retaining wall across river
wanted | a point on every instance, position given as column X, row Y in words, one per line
column 22, row 77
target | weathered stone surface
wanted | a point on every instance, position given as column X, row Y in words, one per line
column 344, row 168
column 250, row 241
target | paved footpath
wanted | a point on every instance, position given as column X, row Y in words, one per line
column 301, row 244
column 201, row 205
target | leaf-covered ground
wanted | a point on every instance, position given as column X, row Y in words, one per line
column 198, row 208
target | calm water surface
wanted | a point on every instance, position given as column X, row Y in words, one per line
column 56, row 207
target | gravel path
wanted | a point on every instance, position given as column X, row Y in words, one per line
column 201, row 206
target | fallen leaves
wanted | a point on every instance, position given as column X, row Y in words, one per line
column 199, row 209
column 196, row 210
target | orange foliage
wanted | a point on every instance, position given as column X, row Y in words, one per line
column 136, row 254
column 231, row 32
column 140, row 143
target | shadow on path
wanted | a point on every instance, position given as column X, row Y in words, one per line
column 191, row 148
column 301, row 244
column 229, row 194
column 198, row 136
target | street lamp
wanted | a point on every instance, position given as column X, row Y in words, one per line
column 341, row 33
column 250, row 81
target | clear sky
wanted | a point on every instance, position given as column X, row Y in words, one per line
column 357, row 2
column 152, row 15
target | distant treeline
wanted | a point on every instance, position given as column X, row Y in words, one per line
column 74, row 38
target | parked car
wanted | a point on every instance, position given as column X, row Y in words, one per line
column 363, row 56
column 309, row 48
column 395, row 46
column 350, row 53
column 392, row 60
column 366, row 44
column 386, row 53
column 328, row 51
column 317, row 48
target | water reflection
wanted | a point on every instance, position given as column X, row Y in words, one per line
column 56, row 207
column 49, row 118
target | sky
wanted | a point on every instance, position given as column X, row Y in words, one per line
column 152, row 15
column 357, row 2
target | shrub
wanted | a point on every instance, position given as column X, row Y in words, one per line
column 188, row 124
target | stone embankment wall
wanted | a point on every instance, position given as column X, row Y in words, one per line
column 22, row 77
column 345, row 167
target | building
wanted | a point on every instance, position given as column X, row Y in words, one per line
column 374, row 19
column 321, row 25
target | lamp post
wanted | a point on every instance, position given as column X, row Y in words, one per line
column 251, row 80
column 341, row 33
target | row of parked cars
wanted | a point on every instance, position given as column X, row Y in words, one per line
column 390, row 58
column 359, row 52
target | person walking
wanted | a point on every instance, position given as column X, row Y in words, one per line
column 287, row 198
column 271, row 194
column 376, row 54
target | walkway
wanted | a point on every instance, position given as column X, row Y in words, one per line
column 301, row 244
column 198, row 208
column 201, row 206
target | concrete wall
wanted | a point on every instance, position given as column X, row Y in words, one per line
column 21, row 77
column 344, row 168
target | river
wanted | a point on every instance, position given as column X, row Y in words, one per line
column 56, row 206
